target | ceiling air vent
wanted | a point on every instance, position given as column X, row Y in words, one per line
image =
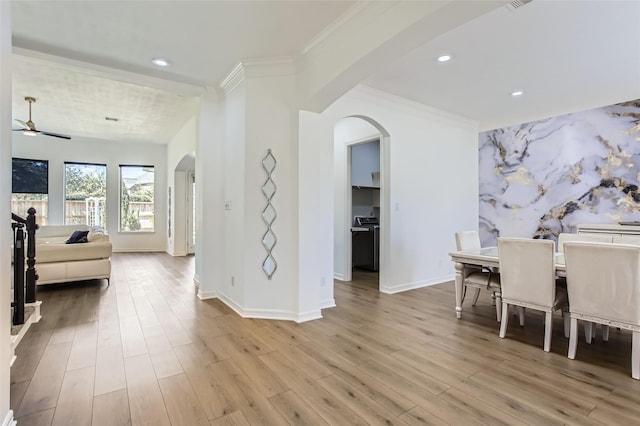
column 515, row 4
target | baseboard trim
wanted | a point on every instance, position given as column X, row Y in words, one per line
column 9, row 420
column 339, row 277
column 206, row 295
column 176, row 254
column 331, row 303
column 414, row 285
column 138, row 250
column 271, row 314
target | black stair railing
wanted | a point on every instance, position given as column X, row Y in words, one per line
column 20, row 296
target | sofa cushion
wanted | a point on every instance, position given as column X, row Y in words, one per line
column 78, row 237
column 46, row 253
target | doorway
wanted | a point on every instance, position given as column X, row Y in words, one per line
column 191, row 212
column 364, row 182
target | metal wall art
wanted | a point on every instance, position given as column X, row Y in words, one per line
column 269, row 215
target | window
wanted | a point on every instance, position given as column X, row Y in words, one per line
column 136, row 198
column 85, row 191
column 30, row 188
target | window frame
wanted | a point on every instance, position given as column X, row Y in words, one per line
column 121, row 184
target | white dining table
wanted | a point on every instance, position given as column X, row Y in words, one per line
column 486, row 257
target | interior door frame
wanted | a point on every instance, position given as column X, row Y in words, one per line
column 190, row 211
column 347, row 244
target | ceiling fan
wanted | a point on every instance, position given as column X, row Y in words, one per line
column 29, row 127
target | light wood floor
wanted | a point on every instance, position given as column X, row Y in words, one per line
column 146, row 351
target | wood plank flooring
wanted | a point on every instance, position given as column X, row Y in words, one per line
column 147, row 351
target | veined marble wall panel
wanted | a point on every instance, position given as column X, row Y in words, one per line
column 544, row 177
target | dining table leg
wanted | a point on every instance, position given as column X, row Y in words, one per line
column 459, row 276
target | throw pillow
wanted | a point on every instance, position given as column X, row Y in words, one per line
column 78, row 237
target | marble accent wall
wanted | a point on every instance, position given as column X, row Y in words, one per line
column 544, row 177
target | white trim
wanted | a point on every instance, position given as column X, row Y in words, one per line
column 138, row 250
column 271, row 314
column 269, row 67
column 235, row 77
column 338, row 277
column 329, row 303
column 255, row 68
column 206, row 295
column 8, row 419
column 33, row 318
column 176, row 254
column 414, row 285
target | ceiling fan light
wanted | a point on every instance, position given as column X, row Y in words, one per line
column 29, row 133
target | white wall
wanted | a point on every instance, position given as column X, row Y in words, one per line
column 181, row 145
column 365, row 159
column 6, row 415
column 111, row 153
column 432, row 189
column 315, row 221
column 210, row 214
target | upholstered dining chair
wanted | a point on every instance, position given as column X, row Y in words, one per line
column 475, row 276
column 603, row 281
column 564, row 237
column 528, row 277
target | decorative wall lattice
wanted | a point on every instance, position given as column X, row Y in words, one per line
column 269, row 214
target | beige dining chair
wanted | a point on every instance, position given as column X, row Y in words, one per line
column 565, row 237
column 528, row 277
column 603, row 281
column 476, row 277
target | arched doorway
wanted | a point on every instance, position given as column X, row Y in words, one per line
column 361, row 193
column 181, row 197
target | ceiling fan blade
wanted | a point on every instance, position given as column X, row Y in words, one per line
column 55, row 135
column 24, row 124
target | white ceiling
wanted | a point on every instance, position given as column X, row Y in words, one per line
column 563, row 54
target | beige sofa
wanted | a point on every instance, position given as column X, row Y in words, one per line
column 58, row 262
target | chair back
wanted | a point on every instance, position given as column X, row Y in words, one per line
column 603, row 281
column 527, row 271
column 594, row 238
column 468, row 241
column 627, row 239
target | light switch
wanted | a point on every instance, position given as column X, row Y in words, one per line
column 227, row 205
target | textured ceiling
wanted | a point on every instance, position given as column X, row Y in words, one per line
column 77, row 103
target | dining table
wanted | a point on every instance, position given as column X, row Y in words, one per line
column 486, row 257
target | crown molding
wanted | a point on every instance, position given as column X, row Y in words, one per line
column 235, row 77
column 257, row 68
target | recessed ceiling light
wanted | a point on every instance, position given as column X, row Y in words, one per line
column 161, row 62
column 444, row 58
column 517, row 93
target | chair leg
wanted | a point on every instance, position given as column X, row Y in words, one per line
column 498, row 297
column 475, row 297
column 588, row 331
column 635, row 356
column 548, row 326
column 567, row 323
column 605, row 333
column 573, row 339
column 505, row 319
column 521, row 315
